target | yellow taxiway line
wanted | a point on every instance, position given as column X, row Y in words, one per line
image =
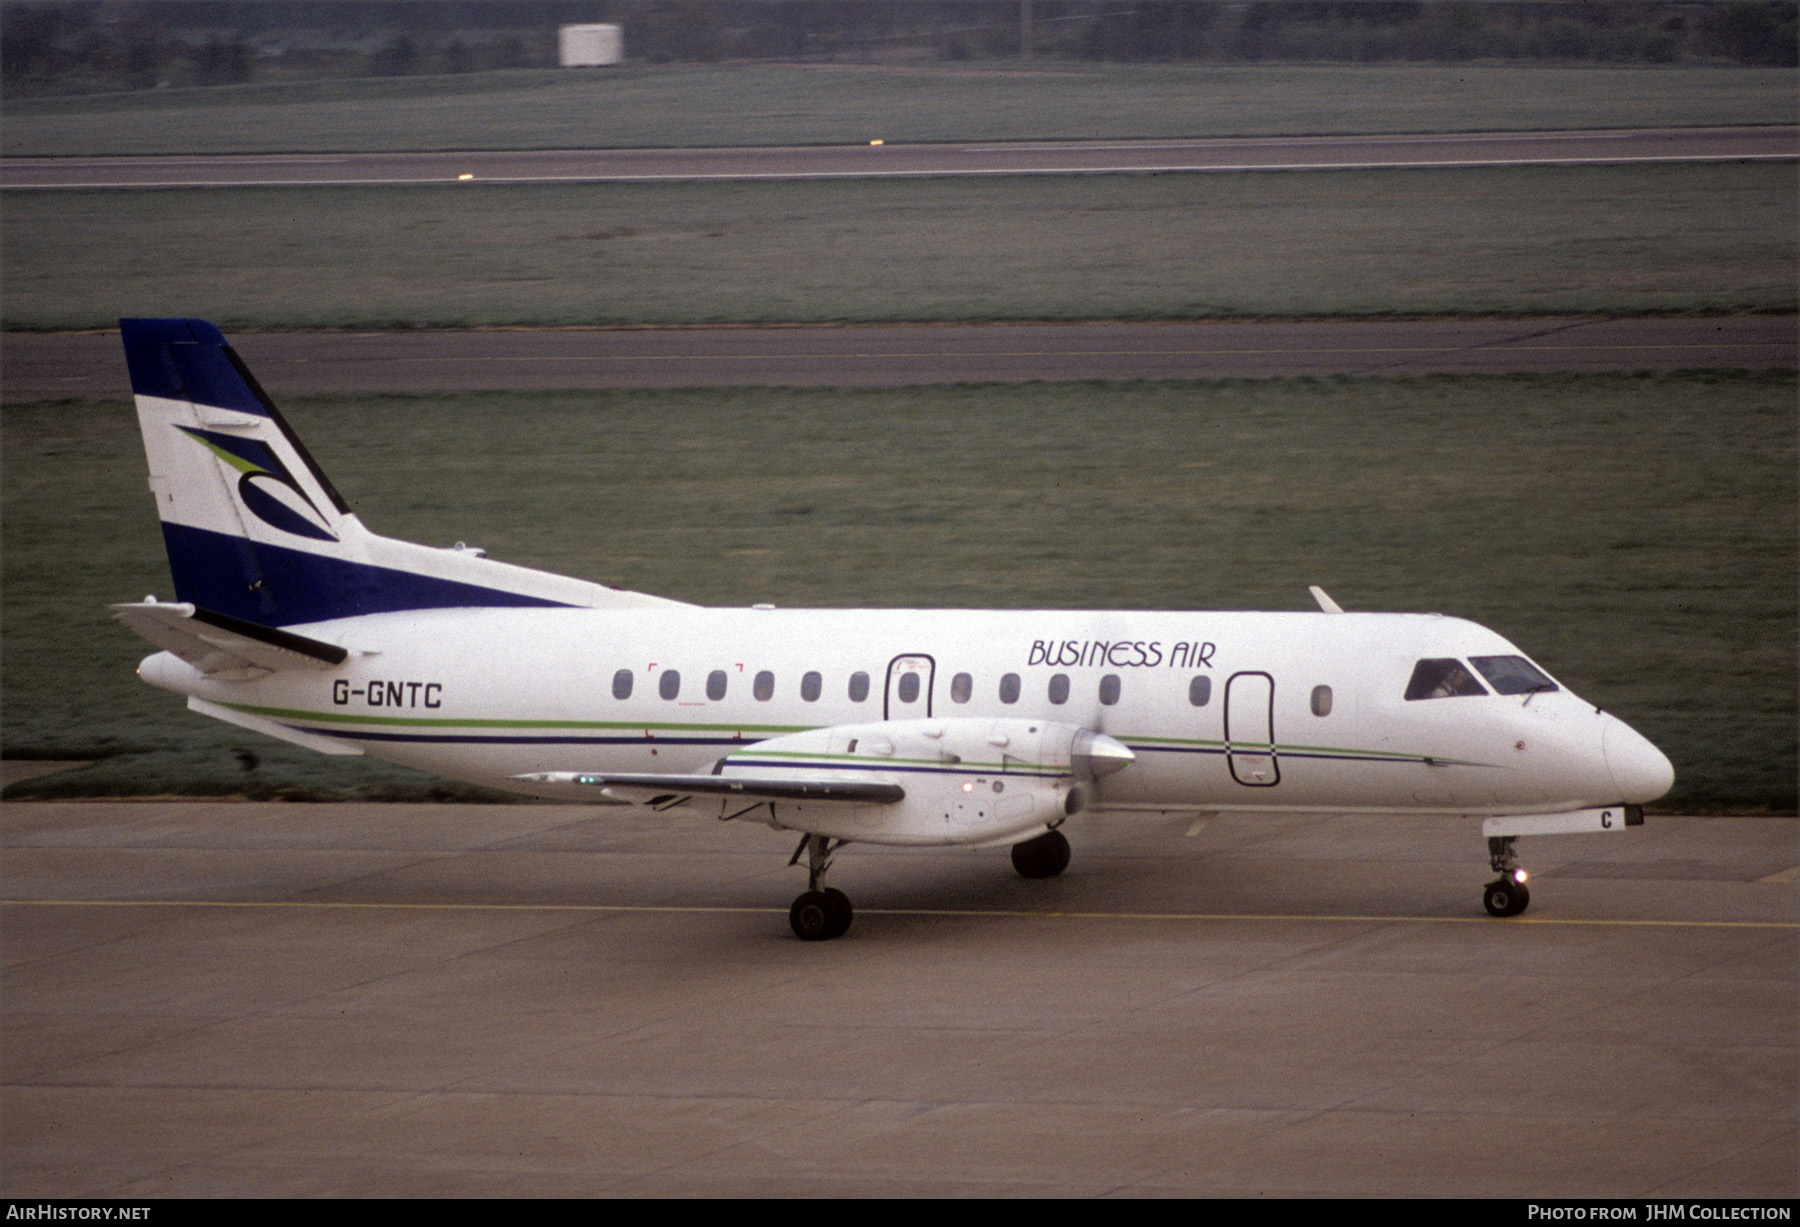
column 995, row 913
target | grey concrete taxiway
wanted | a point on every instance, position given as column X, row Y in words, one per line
column 51, row 365
column 876, row 160
column 289, row 999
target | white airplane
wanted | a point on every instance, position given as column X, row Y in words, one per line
column 970, row 728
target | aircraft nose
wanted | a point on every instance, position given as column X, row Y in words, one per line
column 1639, row 770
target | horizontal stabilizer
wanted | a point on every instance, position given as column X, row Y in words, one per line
column 222, row 646
column 661, row 790
column 272, row 728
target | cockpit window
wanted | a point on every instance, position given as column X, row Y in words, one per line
column 1441, row 679
column 1512, row 674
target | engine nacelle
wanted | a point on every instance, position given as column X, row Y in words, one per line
column 966, row 780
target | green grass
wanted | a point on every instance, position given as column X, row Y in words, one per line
column 1518, row 240
column 791, row 104
column 1635, row 533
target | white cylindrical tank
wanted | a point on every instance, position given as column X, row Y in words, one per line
column 591, row 46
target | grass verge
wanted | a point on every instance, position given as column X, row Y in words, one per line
column 1528, row 240
column 1635, row 533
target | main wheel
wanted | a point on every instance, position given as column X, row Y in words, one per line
column 840, row 910
column 820, row 915
column 811, row 917
column 1505, row 897
column 1043, row 857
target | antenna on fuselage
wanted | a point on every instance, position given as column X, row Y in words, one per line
column 1325, row 602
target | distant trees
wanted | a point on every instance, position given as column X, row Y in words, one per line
column 1747, row 33
column 60, row 46
column 221, row 63
column 397, row 58
column 1755, row 33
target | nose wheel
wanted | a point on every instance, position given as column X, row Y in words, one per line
column 1507, row 895
column 823, row 912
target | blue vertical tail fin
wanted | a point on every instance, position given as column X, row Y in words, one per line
column 253, row 527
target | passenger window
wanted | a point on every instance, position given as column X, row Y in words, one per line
column 1321, row 701
column 1513, row 674
column 1109, row 689
column 622, row 684
column 715, row 685
column 669, row 685
column 810, row 686
column 1009, row 688
column 1442, row 679
column 859, row 687
column 961, row 687
column 763, row 687
column 909, row 687
column 1200, row 690
column 1059, row 688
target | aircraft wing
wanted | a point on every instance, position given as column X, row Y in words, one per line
column 220, row 645
column 661, row 791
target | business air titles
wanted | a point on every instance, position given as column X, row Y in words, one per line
column 1120, row 654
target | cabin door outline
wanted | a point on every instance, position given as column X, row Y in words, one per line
column 1250, row 730
column 894, row 704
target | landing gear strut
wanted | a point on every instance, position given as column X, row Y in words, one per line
column 1043, row 857
column 1508, row 894
column 819, row 914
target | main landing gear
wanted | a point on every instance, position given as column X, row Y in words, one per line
column 1043, row 857
column 823, row 912
column 1507, row 895
column 819, row 915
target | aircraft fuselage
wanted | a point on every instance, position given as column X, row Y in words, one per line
column 1223, row 711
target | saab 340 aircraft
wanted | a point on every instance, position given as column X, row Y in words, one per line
column 916, row 727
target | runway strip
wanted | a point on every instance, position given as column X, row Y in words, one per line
column 1294, row 153
column 39, row 366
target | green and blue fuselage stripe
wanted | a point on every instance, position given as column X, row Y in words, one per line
column 438, row 729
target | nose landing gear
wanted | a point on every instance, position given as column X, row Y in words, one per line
column 819, row 914
column 1508, row 895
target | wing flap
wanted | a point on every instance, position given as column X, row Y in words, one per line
column 222, row 646
column 662, row 790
